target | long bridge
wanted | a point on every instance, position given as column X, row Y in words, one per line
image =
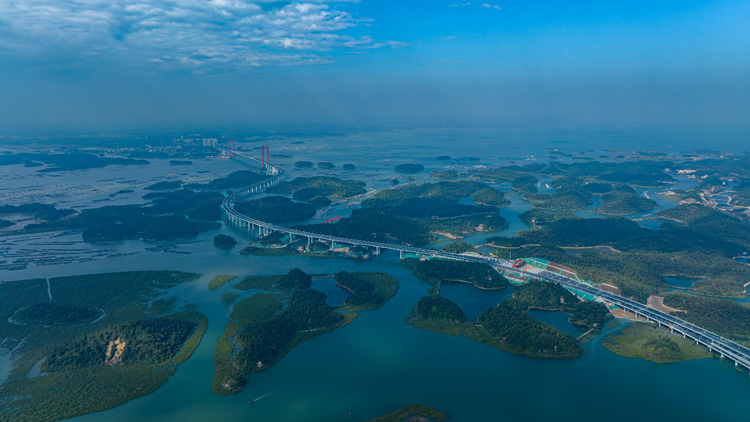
column 726, row 348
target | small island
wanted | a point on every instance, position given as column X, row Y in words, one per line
column 647, row 341
column 409, row 168
column 414, row 413
column 223, row 241
column 508, row 327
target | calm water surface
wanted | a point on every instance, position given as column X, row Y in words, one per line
column 378, row 364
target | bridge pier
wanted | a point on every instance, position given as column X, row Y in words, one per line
column 400, row 254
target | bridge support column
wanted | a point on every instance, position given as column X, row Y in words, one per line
column 377, row 251
column 736, row 364
column 400, row 254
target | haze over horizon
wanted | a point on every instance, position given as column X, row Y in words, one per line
column 72, row 66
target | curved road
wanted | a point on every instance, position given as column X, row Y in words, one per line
column 724, row 347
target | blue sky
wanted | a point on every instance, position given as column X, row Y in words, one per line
column 113, row 65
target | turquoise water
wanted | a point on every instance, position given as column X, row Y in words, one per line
column 471, row 300
column 681, row 281
column 378, row 364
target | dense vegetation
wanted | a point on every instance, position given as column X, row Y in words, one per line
column 370, row 290
column 307, row 188
column 168, row 215
column 224, row 241
column 5, row 223
column 523, row 334
column 220, row 280
column 125, row 299
column 490, row 196
column 51, row 313
column 295, row 279
column 409, row 168
column 171, row 185
column 444, row 174
column 408, row 224
column 303, row 164
column 40, row 211
column 348, row 167
column 623, row 203
column 68, row 161
column 446, row 191
column 325, row 165
column 146, row 342
column 436, row 271
column 724, row 317
column 562, row 200
column 262, row 331
column 458, row 247
column 414, row 412
column 439, row 308
column 276, row 209
column 237, row 179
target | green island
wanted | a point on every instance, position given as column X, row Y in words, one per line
column 647, row 341
column 236, row 179
column 623, row 203
column 409, row 168
column 508, row 327
column 307, row 188
column 437, row 271
column 261, row 330
column 169, row 215
column 444, row 174
column 134, row 343
column 66, row 162
column 416, row 214
column 171, row 185
column 224, row 241
column 414, row 413
column 276, row 209
column 303, row 164
column 220, row 280
column 229, row 298
column 490, row 196
column 326, row 165
column 370, row 290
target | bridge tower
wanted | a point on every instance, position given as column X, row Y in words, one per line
column 265, row 156
column 231, row 147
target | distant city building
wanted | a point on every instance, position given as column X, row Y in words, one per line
column 210, row 142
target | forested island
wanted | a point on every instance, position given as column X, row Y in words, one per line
column 262, row 330
column 104, row 340
column 307, row 188
column 414, row 413
column 416, row 214
column 507, row 326
column 370, row 290
column 276, row 209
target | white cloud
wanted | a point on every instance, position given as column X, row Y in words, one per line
column 491, row 6
column 195, row 34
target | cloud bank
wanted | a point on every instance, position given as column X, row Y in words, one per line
column 197, row 35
